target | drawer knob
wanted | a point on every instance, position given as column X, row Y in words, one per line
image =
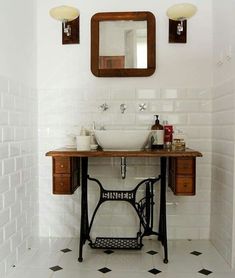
column 61, row 183
column 62, row 166
column 185, row 184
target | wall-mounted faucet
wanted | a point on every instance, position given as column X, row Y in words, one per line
column 104, row 106
column 142, row 107
column 123, row 107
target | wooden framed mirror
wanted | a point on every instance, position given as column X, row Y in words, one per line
column 123, row 44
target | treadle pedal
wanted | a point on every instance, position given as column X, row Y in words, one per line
column 116, row 243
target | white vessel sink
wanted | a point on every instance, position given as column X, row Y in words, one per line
column 122, row 140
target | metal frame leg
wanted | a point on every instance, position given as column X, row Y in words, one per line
column 84, row 225
column 162, row 218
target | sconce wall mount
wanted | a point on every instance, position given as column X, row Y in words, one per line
column 178, row 15
column 69, row 16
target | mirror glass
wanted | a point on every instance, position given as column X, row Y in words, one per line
column 123, row 44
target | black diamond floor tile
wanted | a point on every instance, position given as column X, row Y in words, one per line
column 205, row 271
column 196, row 253
column 154, row 271
column 108, row 252
column 56, row 268
column 104, row 270
column 152, row 252
column 66, row 250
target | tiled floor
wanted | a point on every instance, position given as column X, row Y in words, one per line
column 57, row 258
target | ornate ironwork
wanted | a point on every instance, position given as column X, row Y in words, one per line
column 143, row 208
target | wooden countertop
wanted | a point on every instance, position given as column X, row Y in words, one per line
column 65, row 152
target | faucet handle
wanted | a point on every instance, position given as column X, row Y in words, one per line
column 123, row 107
column 142, row 107
column 104, row 106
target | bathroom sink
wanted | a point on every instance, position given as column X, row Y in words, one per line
column 122, row 140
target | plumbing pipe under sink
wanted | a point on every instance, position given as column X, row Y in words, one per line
column 123, row 167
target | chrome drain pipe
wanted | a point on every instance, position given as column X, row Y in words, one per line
column 123, row 167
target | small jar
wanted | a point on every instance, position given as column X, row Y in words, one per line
column 178, row 145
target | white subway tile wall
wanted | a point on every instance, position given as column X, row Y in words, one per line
column 18, row 170
column 222, row 188
column 64, row 112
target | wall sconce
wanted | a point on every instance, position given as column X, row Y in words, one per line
column 178, row 15
column 69, row 16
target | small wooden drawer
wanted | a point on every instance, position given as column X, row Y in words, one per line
column 66, row 174
column 62, row 165
column 181, row 175
column 184, row 166
column 184, row 185
column 62, row 184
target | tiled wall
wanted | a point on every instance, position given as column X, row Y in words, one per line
column 62, row 112
column 222, row 190
column 18, row 170
column 223, row 168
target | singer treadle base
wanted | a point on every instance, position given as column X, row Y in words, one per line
column 116, row 243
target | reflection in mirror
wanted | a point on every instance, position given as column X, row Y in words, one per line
column 123, row 44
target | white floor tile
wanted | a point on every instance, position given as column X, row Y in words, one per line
column 90, row 261
column 125, row 274
column 46, row 253
column 182, row 275
column 29, row 272
column 130, row 261
column 42, row 259
column 77, row 274
column 223, row 275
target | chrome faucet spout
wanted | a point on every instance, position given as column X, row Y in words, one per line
column 123, row 107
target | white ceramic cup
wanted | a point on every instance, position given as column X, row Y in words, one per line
column 83, row 142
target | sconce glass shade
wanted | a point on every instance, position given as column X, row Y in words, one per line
column 181, row 11
column 64, row 13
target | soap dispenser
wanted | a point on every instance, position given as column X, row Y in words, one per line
column 157, row 135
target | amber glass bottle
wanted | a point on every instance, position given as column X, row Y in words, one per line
column 157, row 135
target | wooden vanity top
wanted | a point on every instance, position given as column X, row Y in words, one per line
column 142, row 153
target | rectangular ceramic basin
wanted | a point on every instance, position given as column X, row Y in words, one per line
column 122, row 140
